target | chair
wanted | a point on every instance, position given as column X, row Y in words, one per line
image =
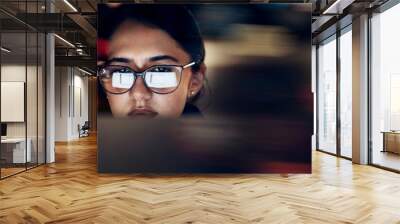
column 84, row 130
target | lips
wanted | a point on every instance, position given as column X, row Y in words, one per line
column 142, row 113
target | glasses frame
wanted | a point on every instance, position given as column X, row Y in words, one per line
column 142, row 74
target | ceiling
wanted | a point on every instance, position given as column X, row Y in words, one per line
column 75, row 21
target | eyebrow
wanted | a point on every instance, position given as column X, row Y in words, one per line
column 151, row 59
column 122, row 60
column 163, row 57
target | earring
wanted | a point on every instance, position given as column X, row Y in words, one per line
column 191, row 94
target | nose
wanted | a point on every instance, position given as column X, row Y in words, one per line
column 139, row 92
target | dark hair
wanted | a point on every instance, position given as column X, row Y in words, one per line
column 176, row 20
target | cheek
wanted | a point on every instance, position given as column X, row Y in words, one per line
column 118, row 103
column 171, row 105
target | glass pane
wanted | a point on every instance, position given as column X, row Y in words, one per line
column 386, row 88
column 346, row 94
column 327, row 96
column 314, row 84
column 80, row 101
column 22, row 67
column 13, row 86
column 41, row 98
column 31, row 100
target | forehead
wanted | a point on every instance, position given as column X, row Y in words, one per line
column 137, row 42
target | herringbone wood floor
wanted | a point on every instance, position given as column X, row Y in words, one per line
column 71, row 191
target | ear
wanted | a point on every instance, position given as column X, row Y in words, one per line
column 196, row 81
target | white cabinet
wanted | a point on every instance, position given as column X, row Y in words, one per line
column 17, row 146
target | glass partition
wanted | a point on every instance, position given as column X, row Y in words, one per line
column 346, row 92
column 14, row 144
column 385, row 89
column 22, row 87
column 327, row 95
column 41, row 97
column 31, row 99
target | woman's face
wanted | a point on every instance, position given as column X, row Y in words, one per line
column 139, row 47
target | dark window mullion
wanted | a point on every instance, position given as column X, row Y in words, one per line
column 369, row 79
column 37, row 90
column 26, row 86
column 317, row 96
column 338, row 93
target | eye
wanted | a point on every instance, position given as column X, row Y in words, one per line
column 119, row 71
column 161, row 69
column 124, row 70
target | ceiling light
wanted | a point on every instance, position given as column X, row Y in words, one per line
column 64, row 40
column 84, row 71
column 70, row 5
column 5, row 50
column 329, row 9
column 337, row 7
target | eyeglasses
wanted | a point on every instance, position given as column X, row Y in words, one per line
column 161, row 79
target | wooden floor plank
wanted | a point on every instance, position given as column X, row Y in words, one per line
column 71, row 191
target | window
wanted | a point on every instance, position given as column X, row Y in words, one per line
column 385, row 88
column 327, row 95
column 346, row 92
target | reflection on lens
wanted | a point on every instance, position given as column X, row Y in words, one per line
column 163, row 79
column 122, row 80
column 159, row 79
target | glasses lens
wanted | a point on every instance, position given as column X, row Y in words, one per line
column 163, row 79
column 116, row 79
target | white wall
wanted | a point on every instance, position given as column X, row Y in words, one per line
column 61, row 103
column 33, row 126
column 16, row 73
column 71, row 102
column 80, row 111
